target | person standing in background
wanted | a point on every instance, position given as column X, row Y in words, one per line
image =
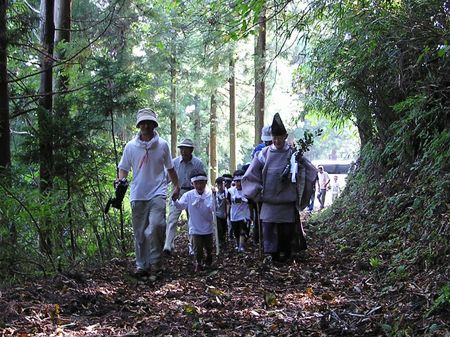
column 184, row 164
column 221, row 211
column 324, row 180
column 266, row 138
column 313, row 196
column 239, row 212
column 335, row 189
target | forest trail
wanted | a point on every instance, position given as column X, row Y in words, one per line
column 322, row 293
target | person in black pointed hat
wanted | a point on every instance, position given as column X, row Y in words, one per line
column 269, row 179
column 279, row 133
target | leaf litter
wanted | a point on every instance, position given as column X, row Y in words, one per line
column 322, row 292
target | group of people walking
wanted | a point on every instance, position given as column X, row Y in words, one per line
column 265, row 194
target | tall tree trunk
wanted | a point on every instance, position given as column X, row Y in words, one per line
column 232, row 84
column 5, row 140
column 5, row 135
column 365, row 129
column 62, row 35
column 197, row 123
column 213, row 138
column 173, row 104
column 45, row 119
column 260, row 70
column 62, row 16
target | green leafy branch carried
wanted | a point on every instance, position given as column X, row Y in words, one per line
column 305, row 143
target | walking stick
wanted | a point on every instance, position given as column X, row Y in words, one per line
column 216, row 232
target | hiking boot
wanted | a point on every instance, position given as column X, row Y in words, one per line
column 267, row 260
column 208, row 260
column 140, row 272
column 275, row 257
column 157, row 268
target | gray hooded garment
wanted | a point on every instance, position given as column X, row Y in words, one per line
column 262, row 182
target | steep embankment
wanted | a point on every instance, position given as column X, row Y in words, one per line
column 394, row 220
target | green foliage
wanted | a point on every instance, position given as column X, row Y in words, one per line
column 400, row 273
column 400, row 216
column 381, row 66
column 305, row 143
column 104, row 82
column 442, row 302
column 396, row 330
column 342, row 141
column 76, row 226
column 362, row 66
column 375, row 262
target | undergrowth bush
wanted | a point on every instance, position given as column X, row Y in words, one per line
column 80, row 233
column 398, row 212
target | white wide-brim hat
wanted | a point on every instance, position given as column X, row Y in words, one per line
column 266, row 134
column 186, row 143
column 146, row 114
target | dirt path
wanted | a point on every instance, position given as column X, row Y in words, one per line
column 322, row 293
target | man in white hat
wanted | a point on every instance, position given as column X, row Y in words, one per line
column 148, row 156
column 266, row 137
column 184, row 164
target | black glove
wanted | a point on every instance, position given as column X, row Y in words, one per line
column 121, row 188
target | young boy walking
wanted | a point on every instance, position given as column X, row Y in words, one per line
column 239, row 211
column 221, row 211
column 335, row 189
column 198, row 203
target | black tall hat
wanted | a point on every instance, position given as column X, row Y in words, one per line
column 278, row 128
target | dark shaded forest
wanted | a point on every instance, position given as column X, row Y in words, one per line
column 74, row 74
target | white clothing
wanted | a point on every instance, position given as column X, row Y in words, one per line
column 171, row 228
column 147, row 160
column 323, row 179
column 200, row 210
column 221, row 207
column 239, row 210
column 335, row 191
column 335, row 188
column 184, row 170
